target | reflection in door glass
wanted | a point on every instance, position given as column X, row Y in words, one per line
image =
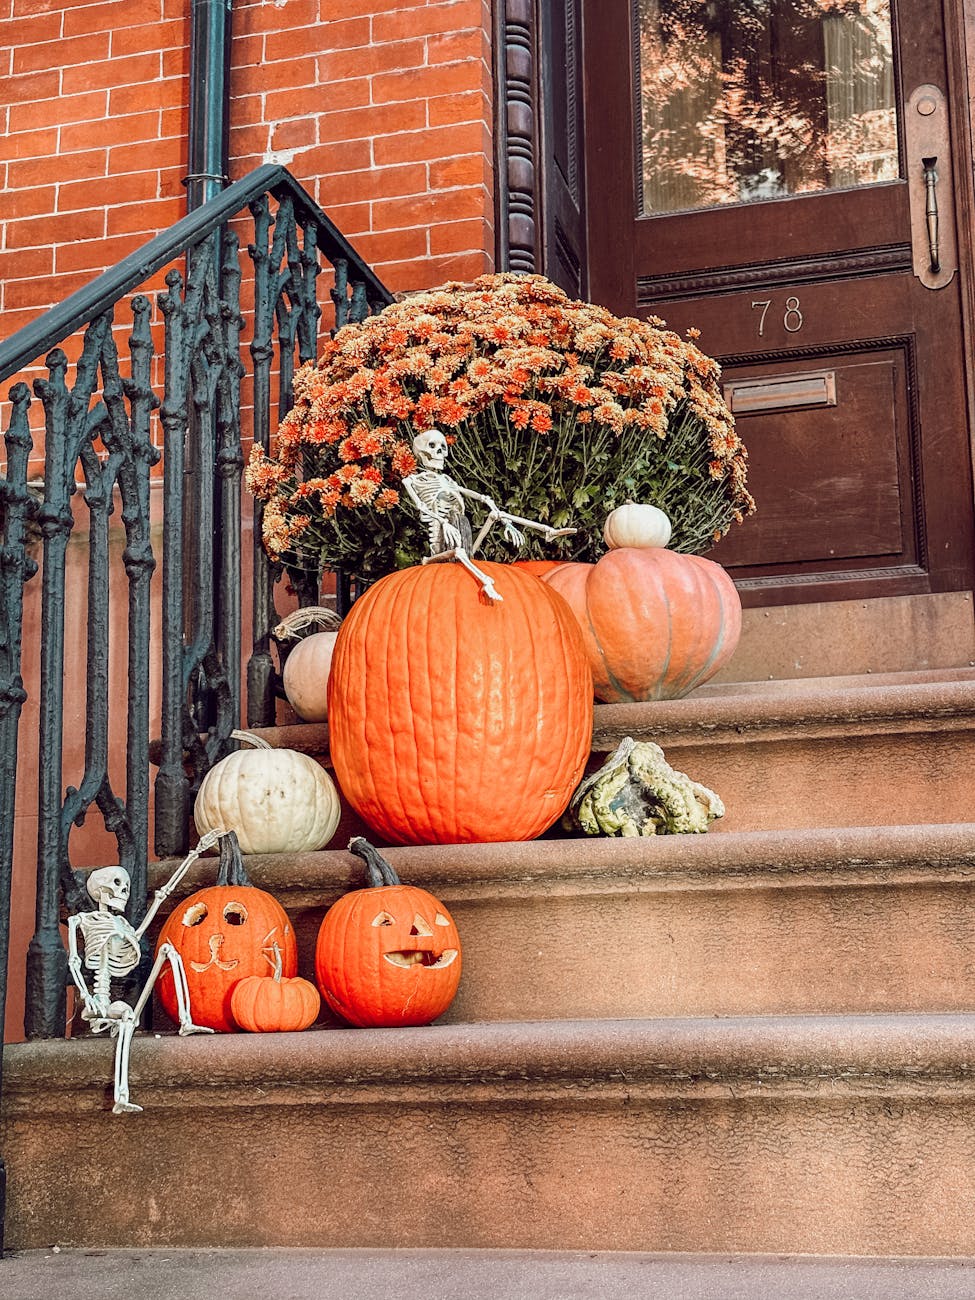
column 757, row 99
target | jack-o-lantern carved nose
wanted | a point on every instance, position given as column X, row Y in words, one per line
column 420, row 927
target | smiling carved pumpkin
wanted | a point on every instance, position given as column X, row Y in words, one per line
column 389, row 954
column 224, row 933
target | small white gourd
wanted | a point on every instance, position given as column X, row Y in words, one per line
column 634, row 524
column 277, row 800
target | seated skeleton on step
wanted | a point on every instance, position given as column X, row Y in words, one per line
column 111, row 949
column 440, row 500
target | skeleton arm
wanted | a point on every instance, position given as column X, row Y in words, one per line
column 163, row 892
column 76, row 968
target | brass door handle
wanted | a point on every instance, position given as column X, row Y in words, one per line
column 931, row 211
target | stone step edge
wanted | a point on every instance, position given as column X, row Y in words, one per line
column 823, row 712
column 870, row 857
column 818, row 1058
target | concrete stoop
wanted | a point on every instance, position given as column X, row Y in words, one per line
column 823, row 1135
column 760, row 1040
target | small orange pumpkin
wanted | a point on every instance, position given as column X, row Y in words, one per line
column 265, row 1004
column 224, row 933
column 388, row 954
column 655, row 623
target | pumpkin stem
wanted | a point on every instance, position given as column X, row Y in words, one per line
column 295, row 625
column 249, row 738
column 275, row 960
column 378, row 870
column 231, row 870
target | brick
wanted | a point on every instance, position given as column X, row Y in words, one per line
column 372, row 122
column 42, row 292
column 299, row 134
column 174, row 123
column 247, row 142
column 286, row 43
column 334, row 10
column 123, row 100
column 398, row 244
column 273, row 17
column 350, row 217
column 30, row 262
column 129, row 41
column 60, row 111
column 111, row 131
column 433, row 144
column 176, row 62
column 58, row 54
column 446, row 79
column 48, row 169
column 460, row 236
column 27, row 203
column 471, row 107
column 36, row 231
column 369, row 59
column 134, row 157
column 426, row 209
column 28, row 86
column 452, row 46
column 138, row 70
column 427, row 20
column 92, row 255
column 296, row 101
column 246, row 51
column 300, row 70
column 33, row 144
column 335, row 159
column 376, row 183
column 105, row 16
column 354, row 92
column 148, row 218
column 404, row 274
column 135, row 187
column 42, row 26
column 473, row 169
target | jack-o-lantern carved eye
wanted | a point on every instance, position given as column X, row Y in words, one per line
column 384, row 918
column 440, row 919
column 235, row 913
column 420, row 927
column 196, row 914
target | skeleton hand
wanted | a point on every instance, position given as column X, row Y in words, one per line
column 513, row 534
column 96, row 1009
column 451, row 536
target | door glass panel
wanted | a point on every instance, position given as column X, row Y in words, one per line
column 743, row 100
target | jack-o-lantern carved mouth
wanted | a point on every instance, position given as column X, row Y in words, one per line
column 413, row 957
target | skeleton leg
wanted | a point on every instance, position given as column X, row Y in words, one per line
column 461, row 556
column 124, row 1029
column 168, row 953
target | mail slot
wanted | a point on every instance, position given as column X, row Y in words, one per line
column 781, row 392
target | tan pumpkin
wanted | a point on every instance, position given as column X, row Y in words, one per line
column 278, row 800
column 655, row 624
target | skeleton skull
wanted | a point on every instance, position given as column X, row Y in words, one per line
column 109, row 887
column 430, row 449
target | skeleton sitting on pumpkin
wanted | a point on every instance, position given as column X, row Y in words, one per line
column 440, row 501
column 112, row 950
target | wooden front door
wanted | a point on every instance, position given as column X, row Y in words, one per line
column 779, row 175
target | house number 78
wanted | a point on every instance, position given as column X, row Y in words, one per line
column 791, row 320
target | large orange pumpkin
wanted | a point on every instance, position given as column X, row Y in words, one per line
column 224, row 933
column 453, row 719
column 389, row 954
column 655, row 623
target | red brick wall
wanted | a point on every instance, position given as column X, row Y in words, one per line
column 382, row 110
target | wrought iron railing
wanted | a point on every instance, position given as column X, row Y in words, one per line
column 104, row 427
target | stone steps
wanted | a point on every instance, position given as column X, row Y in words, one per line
column 850, row 1135
column 858, row 751
column 843, row 920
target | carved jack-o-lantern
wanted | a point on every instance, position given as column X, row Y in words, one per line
column 224, row 933
column 387, row 955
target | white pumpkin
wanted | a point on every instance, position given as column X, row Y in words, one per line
column 633, row 524
column 305, row 675
column 277, row 800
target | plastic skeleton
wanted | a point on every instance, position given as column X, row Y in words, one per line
column 440, row 501
column 112, row 950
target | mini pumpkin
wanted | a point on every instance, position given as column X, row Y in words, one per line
column 636, row 524
column 224, row 933
column 271, row 1003
column 388, row 954
column 307, row 666
column 278, row 800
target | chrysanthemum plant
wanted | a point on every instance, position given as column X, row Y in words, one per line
column 557, row 409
